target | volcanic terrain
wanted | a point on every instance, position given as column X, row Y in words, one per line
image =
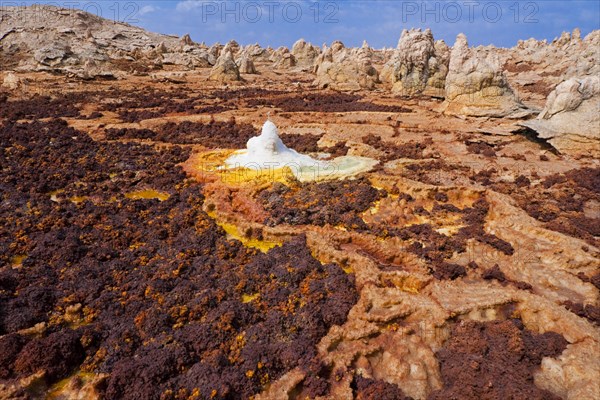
column 464, row 265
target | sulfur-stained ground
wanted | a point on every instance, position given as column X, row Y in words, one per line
column 464, row 265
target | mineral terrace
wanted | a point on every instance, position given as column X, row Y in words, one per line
column 464, row 264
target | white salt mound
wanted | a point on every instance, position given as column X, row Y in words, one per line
column 267, row 152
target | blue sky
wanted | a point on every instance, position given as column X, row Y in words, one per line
column 380, row 22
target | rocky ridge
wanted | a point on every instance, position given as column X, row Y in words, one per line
column 473, row 81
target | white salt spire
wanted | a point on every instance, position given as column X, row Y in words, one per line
column 267, row 151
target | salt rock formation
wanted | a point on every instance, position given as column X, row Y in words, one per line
column 257, row 53
column 571, row 121
column 305, row 53
column 267, row 151
column 378, row 57
column 549, row 64
column 187, row 40
column 345, row 69
column 287, row 60
column 225, row 70
column 475, row 84
column 170, row 77
column 72, row 37
column 232, row 46
column 276, row 54
column 535, row 68
column 92, row 69
column 186, row 60
column 417, row 63
column 214, row 52
column 438, row 70
column 282, row 58
column 11, row 81
column 245, row 63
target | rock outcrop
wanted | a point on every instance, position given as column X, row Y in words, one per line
column 245, row 63
column 83, row 44
column 232, row 46
column 225, row 70
column 256, row 53
column 186, row 60
column 286, row 61
column 214, row 52
column 282, row 58
column 417, row 64
column 345, row 69
column 534, row 68
column 186, row 40
column 476, row 85
column 570, row 122
column 11, row 81
column 305, row 54
column 438, row 70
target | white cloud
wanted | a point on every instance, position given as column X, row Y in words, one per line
column 188, row 5
column 147, row 10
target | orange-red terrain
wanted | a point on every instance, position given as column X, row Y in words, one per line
column 463, row 266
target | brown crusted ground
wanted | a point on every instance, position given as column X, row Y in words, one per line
column 150, row 103
column 370, row 389
column 342, row 202
column 559, row 201
column 324, row 102
column 496, row 273
column 155, row 295
column 156, row 287
column 220, row 135
column 595, row 280
column 334, row 203
column 430, row 171
column 588, row 311
column 301, row 143
column 413, row 150
column 437, row 248
column 37, row 107
column 309, row 144
column 163, row 102
column 214, row 134
column 131, row 106
column 494, row 360
column 481, row 148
